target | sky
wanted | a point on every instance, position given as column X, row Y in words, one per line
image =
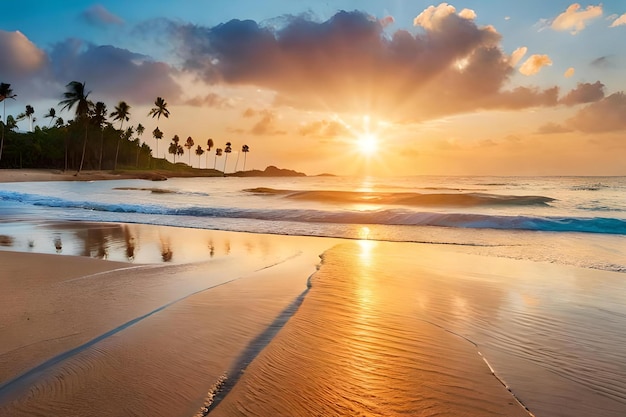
column 386, row 87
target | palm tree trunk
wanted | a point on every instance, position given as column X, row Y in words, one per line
column 117, row 151
column 4, row 125
column 101, row 149
column 66, row 150
column 237, row 161
column 244, row 160
column 215, row 162
column 82, row 159
column 225, row 160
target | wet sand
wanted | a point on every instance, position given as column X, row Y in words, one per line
column 385, row 329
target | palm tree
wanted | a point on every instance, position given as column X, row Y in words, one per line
column 121, row 113
column 5, row 93
column 52, row 114
column 209, row 145
column 29, row 115
column 174, row 147
column 245, row 149
column 99, row 118
column 189, row 144
column 157, row 135
column 228, row 149
column 218, row 152
column 76, row 96
column 199, row 152
column 159, row 109
column 140, row 129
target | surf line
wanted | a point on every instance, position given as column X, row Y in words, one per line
column 33, row 373
column 493, row 372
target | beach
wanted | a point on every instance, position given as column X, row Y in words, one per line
column 144, row 319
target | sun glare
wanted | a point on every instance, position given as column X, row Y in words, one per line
column 367, row 143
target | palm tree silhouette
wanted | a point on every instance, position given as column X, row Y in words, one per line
column 228, row 149
column 245, row 149
column 140, row 129
column 28, row 114
column 52, row 114
column 5, row 93
column 174, row 147
column 159, row 109
column 199, row 152
column 189, row 144
column 121, row 113
column 209, row 145
column 76, row 96
column 99, row 118
column 218, row 152
column 157, row 135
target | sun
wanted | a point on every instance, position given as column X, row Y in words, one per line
column 367, row 144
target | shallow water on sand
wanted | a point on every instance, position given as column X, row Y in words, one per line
column 394, row 329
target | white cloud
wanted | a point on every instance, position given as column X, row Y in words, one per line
column 534, row 63
column 575, row 18
column 468, row 14
column 569, row 72
column 619, row 21
column 432, row 15
column 517, row 55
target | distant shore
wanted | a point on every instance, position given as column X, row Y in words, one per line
column 33, row 175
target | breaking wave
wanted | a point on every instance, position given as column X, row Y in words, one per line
column 394, row 216
column 408, row 199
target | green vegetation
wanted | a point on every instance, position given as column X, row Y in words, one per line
column 90, row 141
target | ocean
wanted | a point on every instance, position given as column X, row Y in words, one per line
column 566, row 220
column 528, row 272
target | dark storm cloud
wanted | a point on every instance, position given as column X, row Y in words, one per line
column 113, row 72
column 584, row 93
column 350, row 63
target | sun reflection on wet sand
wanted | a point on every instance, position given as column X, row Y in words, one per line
column 357, row 347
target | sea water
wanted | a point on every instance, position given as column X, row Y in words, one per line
column 568, row 220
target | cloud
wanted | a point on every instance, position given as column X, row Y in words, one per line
column 324, row 129
column 534, row 63
column 552, row 128
column 349, row 63
column 569, row 72
column 517, row 55
column 113, row 72
column 20, row 57
column 266, row 125
column 97, row 15
column 468, row 14
column 602, row 62
column 575, row 19
column 210, row 100
column 584, row 93
column 619, row 21
column 606, row 115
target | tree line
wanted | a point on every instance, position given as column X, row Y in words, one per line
column 91, row 140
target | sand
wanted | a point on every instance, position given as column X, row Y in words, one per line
column 32, row 175
column 84, row 336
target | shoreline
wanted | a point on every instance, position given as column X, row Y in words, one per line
column 38, row 175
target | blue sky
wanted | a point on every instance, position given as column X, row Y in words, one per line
column 543, row 71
